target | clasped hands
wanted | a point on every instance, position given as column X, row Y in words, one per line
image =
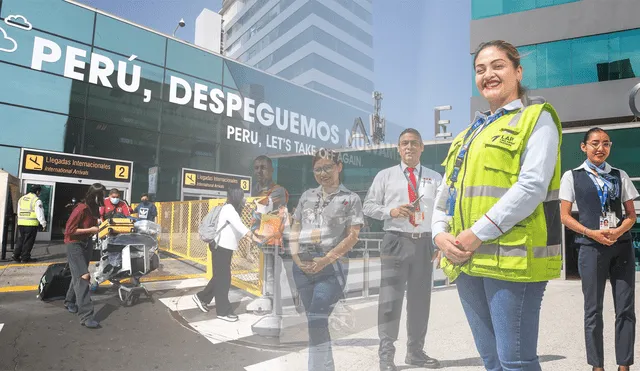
column 458, row 250
column 312, row 267
column 606, row 237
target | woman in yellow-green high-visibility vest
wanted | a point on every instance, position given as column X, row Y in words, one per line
column 497, row 212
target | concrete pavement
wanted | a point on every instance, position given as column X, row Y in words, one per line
column 169, row 333
column 561, row 344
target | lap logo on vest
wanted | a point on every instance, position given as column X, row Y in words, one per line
column 505, row 140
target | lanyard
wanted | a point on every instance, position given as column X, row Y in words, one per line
column 603, row 193
column 469, row 137
column 409, row 180
column 325, row 202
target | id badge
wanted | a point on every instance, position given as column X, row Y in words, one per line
column 604, row 222
column 613, row 219
column 451, row 202
column 418, row 216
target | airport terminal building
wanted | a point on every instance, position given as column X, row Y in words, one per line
column 89, row 97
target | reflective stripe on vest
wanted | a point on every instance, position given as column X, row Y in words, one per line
column 498, row 192
column 27, row 216
column 520, row 251
column 531, row 251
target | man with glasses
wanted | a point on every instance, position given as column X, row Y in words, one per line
column 403, row 197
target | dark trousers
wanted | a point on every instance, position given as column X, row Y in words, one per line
column 26, row 239
column 406, row 264
column 596, row 264
column 220, row 283
column 79, row 256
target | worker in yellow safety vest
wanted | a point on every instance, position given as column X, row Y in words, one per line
column 497, row 214
column 30, row 218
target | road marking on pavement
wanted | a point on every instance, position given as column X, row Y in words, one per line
column 18, row 288
column 1, row 326
column 184, row 278
column 20, row 265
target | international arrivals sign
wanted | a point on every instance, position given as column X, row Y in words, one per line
column 74, row 166
column 212, row 181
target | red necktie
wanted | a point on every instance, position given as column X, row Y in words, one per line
column 412, row 194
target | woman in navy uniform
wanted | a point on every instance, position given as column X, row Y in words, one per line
column 604, row 196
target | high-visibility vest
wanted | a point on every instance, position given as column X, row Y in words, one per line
column 27, row 206
column 531, row 251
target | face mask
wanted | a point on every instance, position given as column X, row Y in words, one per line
column 114, row 200
column 144, row 200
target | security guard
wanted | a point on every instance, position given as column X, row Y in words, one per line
column 604, row 196
column 497, row 217
column 403, row 196
column 30, row 216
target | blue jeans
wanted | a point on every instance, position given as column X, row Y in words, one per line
column 319, row 293
column 504, row 318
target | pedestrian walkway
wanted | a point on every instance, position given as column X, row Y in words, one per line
column 16, row 277
column 449, row 339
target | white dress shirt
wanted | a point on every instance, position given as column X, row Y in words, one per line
column 233, row 231
column 537, row 165
column 627, row 189
column 390, row 189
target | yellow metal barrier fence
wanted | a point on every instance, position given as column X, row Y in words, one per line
column 180, row 220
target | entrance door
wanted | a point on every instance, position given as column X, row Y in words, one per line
column 47, row 198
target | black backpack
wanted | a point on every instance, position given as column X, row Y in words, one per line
column 54, row 282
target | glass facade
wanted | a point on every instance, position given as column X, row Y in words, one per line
column 583, row 60
column 306, row 10
column 492, row 8
column 311, row 34
column 85, row 83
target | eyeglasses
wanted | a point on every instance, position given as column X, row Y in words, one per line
column 327, row 169
column 596, row 145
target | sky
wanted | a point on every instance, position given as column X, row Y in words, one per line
column 421, row 52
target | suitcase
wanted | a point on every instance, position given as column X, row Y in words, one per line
column 113, row 226
column 54, row 282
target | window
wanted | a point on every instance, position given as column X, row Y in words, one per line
column 54, row 16
column 312, row 7
column 313, row 33
column 24, row 52
column 356, row 9
column 185, row 120
column 10, row 159
column 193, row 61
column 46, row 130
column 126, row 143
column 583, row 60
column 115, row 106
column 339, row 95
column 126, row 39
column 314, row 61
column 43, row 91
column 622, row 153
column 492, row 8
column 246, row 17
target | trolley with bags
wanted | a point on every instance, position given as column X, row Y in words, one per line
column 129, row 250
